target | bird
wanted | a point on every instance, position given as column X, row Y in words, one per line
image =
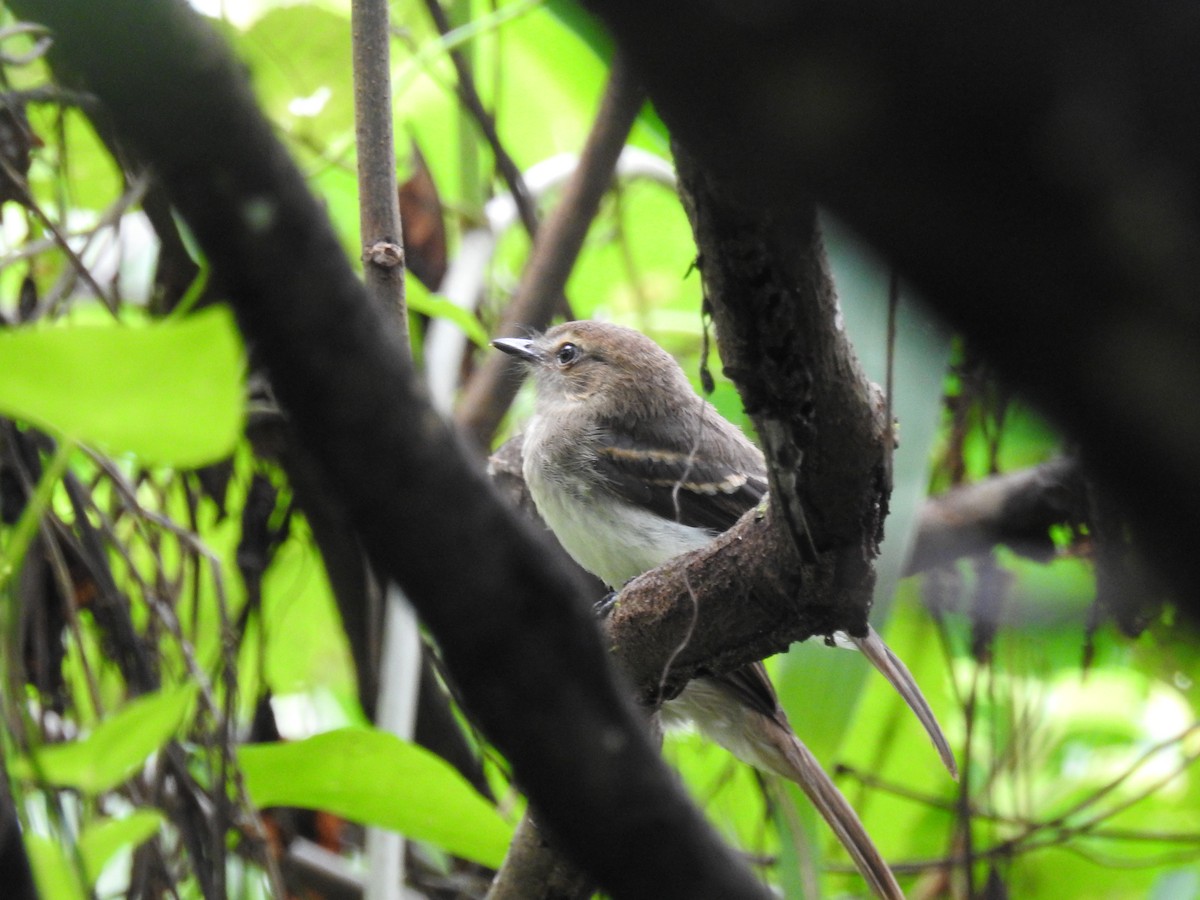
column 629, row 467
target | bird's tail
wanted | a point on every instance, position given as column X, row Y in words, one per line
column 802, row 767
column 739, row 711
column 891, row 667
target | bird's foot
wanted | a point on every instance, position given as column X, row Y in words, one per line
column 605, row 605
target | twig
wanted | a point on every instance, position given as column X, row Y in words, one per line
column 52, row 93
column 383, row 256
column 379, row 205
column 110, row 218
column 27, row 199
column 45, row 526
column 470, row 98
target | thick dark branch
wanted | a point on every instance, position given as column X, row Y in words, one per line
column 1034, row 173
column 1016, row 509
column 534, row 869
column 514, row 628
column 742, row 598
column 820, row 421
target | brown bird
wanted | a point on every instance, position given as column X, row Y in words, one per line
column 629, row 467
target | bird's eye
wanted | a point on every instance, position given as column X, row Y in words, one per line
column 567, row 354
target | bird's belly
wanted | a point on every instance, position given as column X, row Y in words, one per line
column 613, row 540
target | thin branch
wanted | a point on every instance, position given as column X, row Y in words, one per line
column 470, row 98
column 932, row 801
column 21, row 186
column 383, row 256
column 51, row 94
column 379, row 206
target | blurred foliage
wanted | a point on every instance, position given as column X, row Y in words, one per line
column 142, row 645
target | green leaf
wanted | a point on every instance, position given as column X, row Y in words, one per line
column 56, row 876
column 102, row 840
column 305, row 644
column 170, row 392
column 375, row 778
column 95, row 177
column 116, row 749
column 585, row 26
column 297, row 56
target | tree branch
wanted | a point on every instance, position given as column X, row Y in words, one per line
column 730, row 580
column 1016, row 509
column 750, row 594
column 533, row 869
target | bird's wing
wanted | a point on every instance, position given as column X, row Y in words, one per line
column 687, row 485
column 751, row 685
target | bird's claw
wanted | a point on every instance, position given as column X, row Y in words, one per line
column 605, row 605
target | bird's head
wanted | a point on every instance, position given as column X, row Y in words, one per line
column 607, row 368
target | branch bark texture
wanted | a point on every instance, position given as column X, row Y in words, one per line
column 511, row 621
column 803, row 565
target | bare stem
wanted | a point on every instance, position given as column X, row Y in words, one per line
column 378, row 203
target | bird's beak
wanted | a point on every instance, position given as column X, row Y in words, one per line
column 521, row 348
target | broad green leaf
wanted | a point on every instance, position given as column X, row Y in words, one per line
column 56, row 875
column 96, row 180
column 632, row 270
column 375, row 778
column 298, row 57
column 728, row 790
column 551, row 87
column 116, row 749
column 102, row 840
column 170, row 392
column 305, row 646
column 587, row 28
